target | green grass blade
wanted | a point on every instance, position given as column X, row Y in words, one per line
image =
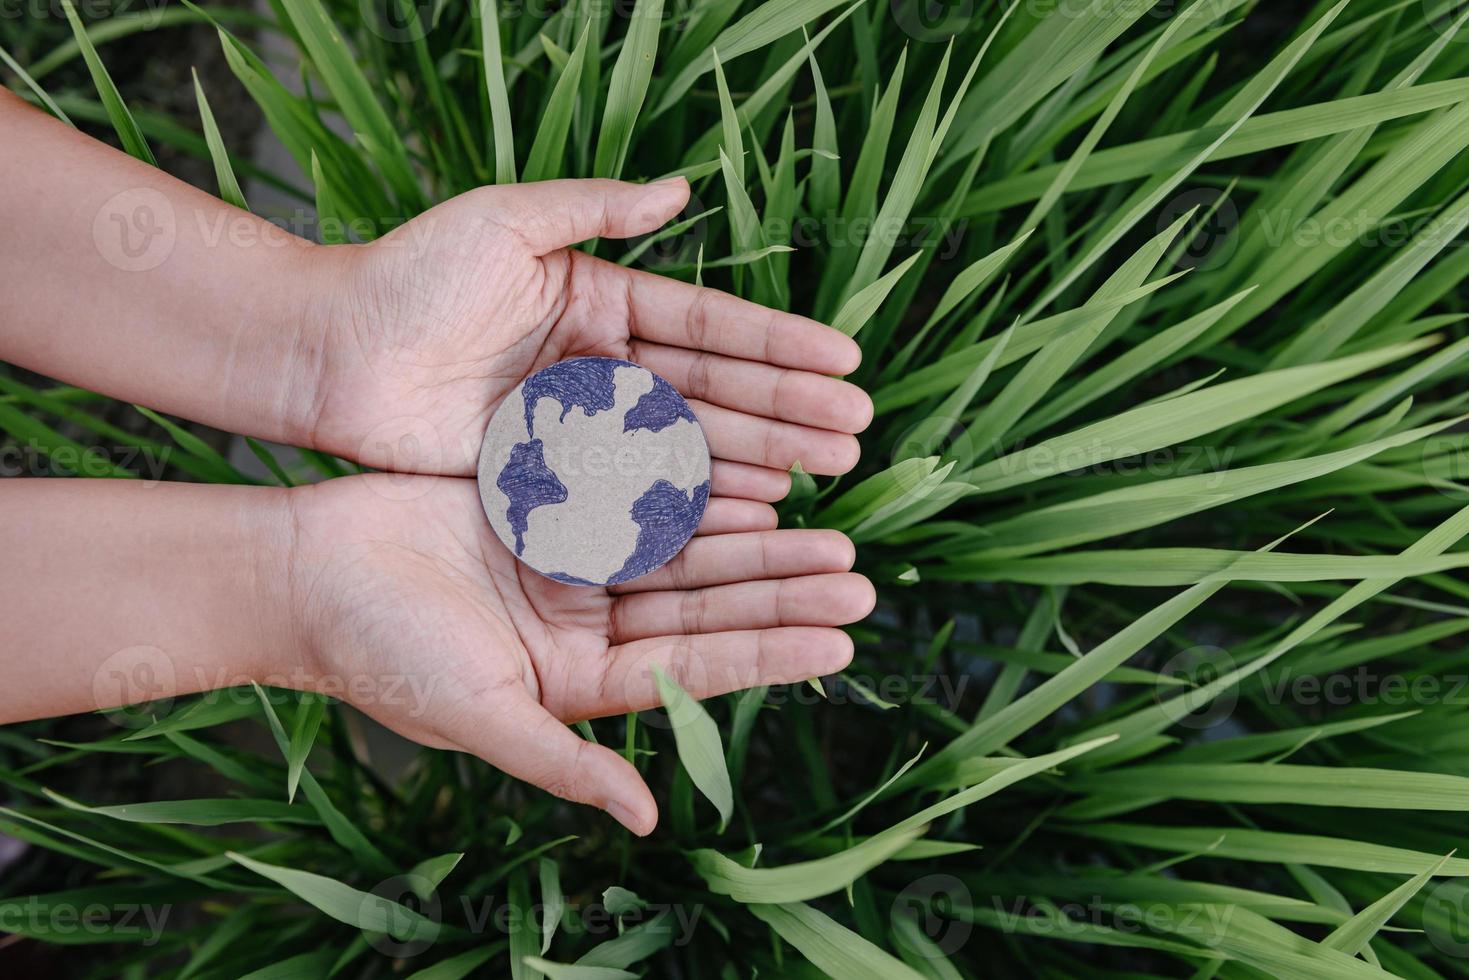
column 1274, row 847
column 198, row 813
column 354, row 96
column 344, row 903
column 117, row 111
column 1177, row 420
column 503, row 144
column 224, row 174
column 830, row 947
column 628, row 88
column 1352, row 936
column 309, row 715
column 762, row 26
column 40, row 93
column 699, row 746
column 859, row 309
column 548, row 151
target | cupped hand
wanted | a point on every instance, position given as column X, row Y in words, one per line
column 412, row 609
column 433, row 325
column 400, row 576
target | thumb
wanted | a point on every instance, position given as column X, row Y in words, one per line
column 552, row 214
column 523, row 739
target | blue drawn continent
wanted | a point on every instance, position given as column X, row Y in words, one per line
column 567, row 579
column 658, row 409
column 666, row 518
column 529, row 483
column 583, row 382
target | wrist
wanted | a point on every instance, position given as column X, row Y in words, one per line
column 282, row 584
column 307, row 325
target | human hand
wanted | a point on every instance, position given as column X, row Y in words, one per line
column 394, row 577
column 396, row 354
column 432, row 326
column 430, row 329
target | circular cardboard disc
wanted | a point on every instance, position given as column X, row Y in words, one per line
column 594, row 471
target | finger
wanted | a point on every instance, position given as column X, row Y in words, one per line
column 552, row 214
column 525, row 740
column 747, row 557
column 812, row 600
column 730, row 479
column 712, row 664
column 759, row 389
column 726, row 515
column 667, row 311
column 779, row 445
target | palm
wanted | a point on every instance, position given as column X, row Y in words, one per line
column 408, row 583
column 446, row 328
column 447, row 315
column 436, row 596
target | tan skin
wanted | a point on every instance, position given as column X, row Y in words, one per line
column 395, row 354
column 426, row 587
column 413, row 338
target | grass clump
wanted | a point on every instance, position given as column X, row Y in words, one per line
column 1144, row 292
